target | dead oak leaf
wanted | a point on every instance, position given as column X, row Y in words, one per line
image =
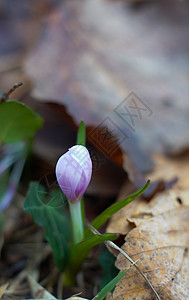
column 159, row 245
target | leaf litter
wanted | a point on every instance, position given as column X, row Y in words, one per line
column 157, row 238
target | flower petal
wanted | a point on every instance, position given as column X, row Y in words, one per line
column 73, row 172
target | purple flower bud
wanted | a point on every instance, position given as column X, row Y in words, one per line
column 73, row 172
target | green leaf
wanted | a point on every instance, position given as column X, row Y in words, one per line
column 80, row 251
column 81, row 139
column 107, row 262
column 18, row 122
column 112, row 209
column 52, row 216
column 102, row 294
column 4, row 180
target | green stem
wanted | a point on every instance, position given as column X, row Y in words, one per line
column 69, row 278
column 77, row 221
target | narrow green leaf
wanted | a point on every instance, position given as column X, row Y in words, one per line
column 52, row 216
column 18, row 122
column 81, row 139
column 102, row 294
column 80, row 251
column 112, row 209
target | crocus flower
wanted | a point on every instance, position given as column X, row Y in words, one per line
column 73, row 172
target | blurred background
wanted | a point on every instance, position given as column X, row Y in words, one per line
column 122, row 67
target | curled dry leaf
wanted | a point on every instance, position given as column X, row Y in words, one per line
column 159, row 244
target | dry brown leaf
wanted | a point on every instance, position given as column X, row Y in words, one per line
column 159, row 244
column 90, row 65
column 109, row 296
column 175, row 167
column 169, row 167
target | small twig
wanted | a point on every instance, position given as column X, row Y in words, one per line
column 111, row 244
column 7, row 94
